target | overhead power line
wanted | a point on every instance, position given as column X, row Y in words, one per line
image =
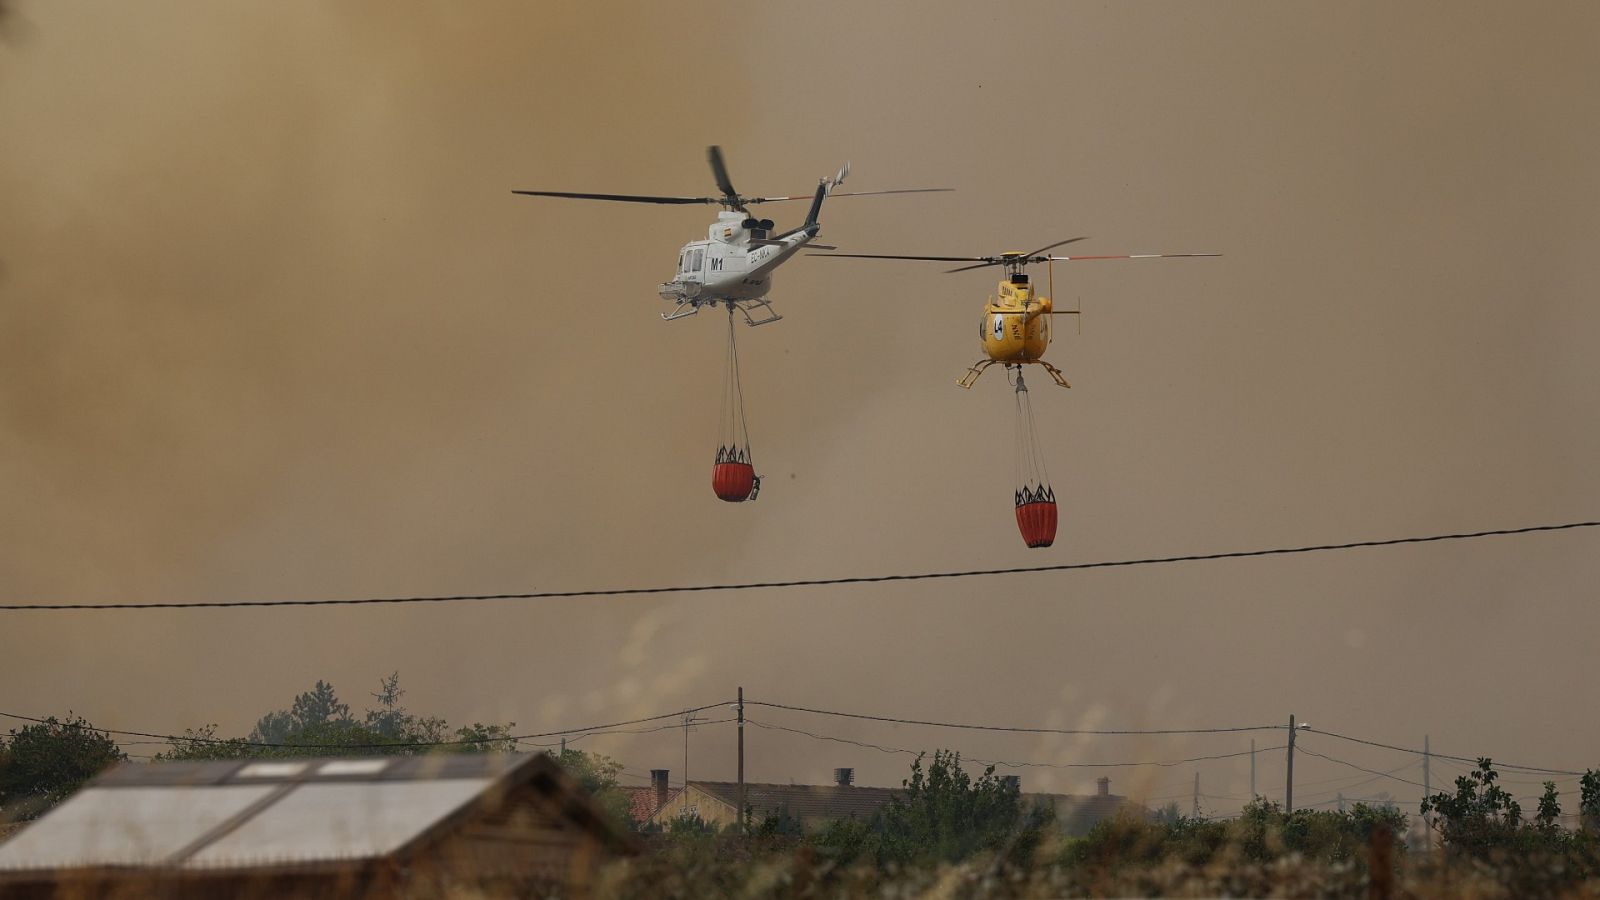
column 574, row 738
column 1002, row 763
column 267, row 745
column 805, row 582
column 1436, row 755
column 1348, row 778
column 1352, row 765
column 1014, row 728
column 623, row 727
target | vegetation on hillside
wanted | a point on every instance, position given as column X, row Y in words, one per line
column 948, row 832
column 318, row 723
column 42, row 763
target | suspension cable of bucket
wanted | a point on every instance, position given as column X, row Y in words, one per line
column 733, row 474
column 1035, row 499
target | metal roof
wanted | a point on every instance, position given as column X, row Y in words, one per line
column 244, row 813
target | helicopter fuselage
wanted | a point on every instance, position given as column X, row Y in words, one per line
column 1015, row 327
column 735, row 261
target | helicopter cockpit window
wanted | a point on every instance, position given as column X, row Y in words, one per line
column 699, row 258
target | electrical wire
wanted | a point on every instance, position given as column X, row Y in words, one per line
column 1332, row 795
column 1458, row 769
column 1015, row 729
column 1346, row 778
column 805, row 582
column 1392, row 801
column 622, row 727
column 181, row 739
column 1001, row 763
column 652, row 730
column 1465, row 759
column 1361, row 768
column 1177, row 762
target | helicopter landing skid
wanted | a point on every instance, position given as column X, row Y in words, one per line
column 977, row 369
column 763, row 308
column 683, row 310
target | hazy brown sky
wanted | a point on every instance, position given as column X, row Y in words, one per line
column 272, row 326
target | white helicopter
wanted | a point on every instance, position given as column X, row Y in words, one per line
column 733, row 265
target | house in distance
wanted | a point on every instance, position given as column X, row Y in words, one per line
column 717, row 802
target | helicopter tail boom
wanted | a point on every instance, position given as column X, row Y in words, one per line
column 816, row 204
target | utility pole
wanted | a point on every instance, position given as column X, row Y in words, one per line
column 1427, row 791
column 741, row 761
column 1253, row 793
column 1288, row 788
column 563, row 748
column 1195, row 810
column 688, row 719
column 1341, row 801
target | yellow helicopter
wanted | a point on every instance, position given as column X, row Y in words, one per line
column 1015, row 328
column 1015, row 331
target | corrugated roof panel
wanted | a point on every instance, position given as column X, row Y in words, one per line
column 189, row 772
column 271, row 770
column 352, row 767
column 125, row 825
column 339, row 820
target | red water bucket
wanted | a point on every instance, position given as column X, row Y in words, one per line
column 1037, row 522
column 734, row 481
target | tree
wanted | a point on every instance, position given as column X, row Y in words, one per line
column 391, row 721
column 203, row 743
column 1479, row 817
column 943, row 815
column 317, row 708
column 43, row 763
column 318, row 723
column 1589, row 801
column 597, row 774
column 1549, row 814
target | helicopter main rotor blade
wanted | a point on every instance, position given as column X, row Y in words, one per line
column 847, row 194
column 1055, row 245
column 982, row 265
column 719, row 170
column 1131, row 256
column 885, row 256
column 620, row 198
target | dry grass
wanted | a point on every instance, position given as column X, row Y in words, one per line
column 725, row 870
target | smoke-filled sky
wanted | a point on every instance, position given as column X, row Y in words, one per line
column 273, row 326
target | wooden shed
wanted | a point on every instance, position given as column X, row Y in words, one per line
column 351, row 827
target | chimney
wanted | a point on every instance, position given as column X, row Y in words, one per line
column 1105, row 785
column 844, row 777
column 658, row 780
column 1013, row 782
